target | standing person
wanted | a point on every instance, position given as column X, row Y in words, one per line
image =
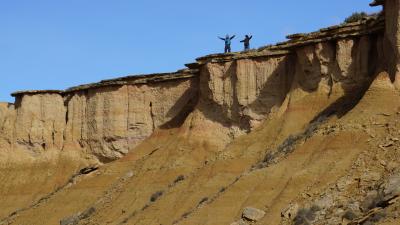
column 246, row 42
column 228, row 41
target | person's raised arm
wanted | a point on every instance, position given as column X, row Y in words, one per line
column 233, row 37
column 242, row 40
column 250, row 37
column 221, row 38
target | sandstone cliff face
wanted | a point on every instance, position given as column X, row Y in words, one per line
column 244, row 92
column 236, row 93
column 348, row 62
column 105, row 122
column 110, row 121
column 39, row 122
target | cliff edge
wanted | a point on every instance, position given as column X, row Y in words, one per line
column 301, row 132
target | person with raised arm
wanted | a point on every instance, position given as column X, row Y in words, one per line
column 246, row 42
column 228, row 41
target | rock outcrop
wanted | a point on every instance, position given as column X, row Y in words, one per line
column 235, row 91
column 304, row 130
column 110, row 121
column 105, row 120
column 246, row 89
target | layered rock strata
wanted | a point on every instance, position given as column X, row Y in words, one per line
column 105, row 119
column 236, row 91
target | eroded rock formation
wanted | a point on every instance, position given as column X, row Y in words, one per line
column 235, row 91
column 292, row 129
column 105, row 120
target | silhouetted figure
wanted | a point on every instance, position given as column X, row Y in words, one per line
column 228, row 41
column 246, row 42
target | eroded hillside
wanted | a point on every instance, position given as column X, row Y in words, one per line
column 305, row 131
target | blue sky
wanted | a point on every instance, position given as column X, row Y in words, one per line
column 48, row 44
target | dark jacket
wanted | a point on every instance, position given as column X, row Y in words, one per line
column 246, row 41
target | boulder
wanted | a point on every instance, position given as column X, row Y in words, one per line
column 290, row 212
column 252, row 214
column 392, row 187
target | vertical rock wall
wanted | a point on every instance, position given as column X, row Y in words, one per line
column 392, row 39
column 106, row 121
column 110, row 121
column 350, row 62
column 236, row 92
column 39, row 122
column 243, row 92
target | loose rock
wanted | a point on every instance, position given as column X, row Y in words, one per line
column 253, row 214
column 290, row 212
column 392, row 187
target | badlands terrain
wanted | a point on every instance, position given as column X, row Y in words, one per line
column 302, row 132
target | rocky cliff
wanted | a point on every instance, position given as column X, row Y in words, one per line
column 109, row 118
column 105, row 120
column 292, row 129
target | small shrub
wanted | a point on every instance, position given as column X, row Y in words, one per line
column 145, row 207
column 357, row 16
column 299, row 220
column 203, row 200
column 288, row 145
column 179, row 179
column 185, row 215
column 156, row 195
column 269, row 157
column 78, row 217
column 372, row 201
column 377, row 217
column 305, row 216
column 315, row 208
column 349, row 215
column 87, row 213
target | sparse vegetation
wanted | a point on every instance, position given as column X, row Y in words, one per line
column 185, row 215
column 87, row 213
column 357, row 16
column 156, row 196
column 145, row 207
column 78, row 217
column 349, row 215
column 371, row 202
column 377, row 217
column 203, row 200
column 306, row 216
column 179, row 179
column 285, row 148
column 289, row 145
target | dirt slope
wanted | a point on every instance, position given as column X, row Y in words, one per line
column 217, row 184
